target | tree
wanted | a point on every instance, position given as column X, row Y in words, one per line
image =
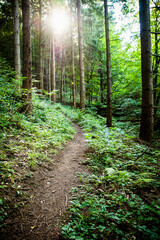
column 73, row 62
column 108, row 54
column 156, row 57
column 62, row 68
column 53, row 76
column 27, row 59
column 146, row 126
column 17, row 59
column 40, row 45
column 81, row 61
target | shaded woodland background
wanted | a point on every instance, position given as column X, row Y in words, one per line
column 54, row 74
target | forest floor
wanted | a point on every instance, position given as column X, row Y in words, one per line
column 49, row 193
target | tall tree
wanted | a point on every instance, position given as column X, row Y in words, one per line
column 17, row 59
column 146, row 127
column 73, row 62
column 81, row 61
column 53, row 75
column 40, row 46
column 62, row 68
column 27, row 59
column 108, row 54
column 49, row 69
column 53, row 67
column 156, row 57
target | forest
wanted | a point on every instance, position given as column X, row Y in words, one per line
column 79, row 119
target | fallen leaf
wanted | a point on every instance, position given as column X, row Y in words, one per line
column 33, row 227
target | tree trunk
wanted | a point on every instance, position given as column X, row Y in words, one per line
column 101, row 84
column 17, row 60
column 157, row 60
column 40, row 46
column 62, row 70
column 73, row 62
column 53, row 66
column 146, row 127
column 49, row 69
column 53, row 78
column 81, row 61
column 27, row 58
column 109, row 81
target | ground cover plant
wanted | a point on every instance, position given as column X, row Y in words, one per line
column 120, row 199
column 27, row 142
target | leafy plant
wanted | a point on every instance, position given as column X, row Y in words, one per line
column 119, row 199
column 27, row 141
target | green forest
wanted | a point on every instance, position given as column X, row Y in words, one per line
column 79, row 119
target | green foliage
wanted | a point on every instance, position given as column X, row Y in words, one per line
column 6, row 31
column 3, row 212
column 26, row 140
column 9, row 95
column 31, row 141
column 119, row 199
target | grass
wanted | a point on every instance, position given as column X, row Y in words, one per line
column 120, row 199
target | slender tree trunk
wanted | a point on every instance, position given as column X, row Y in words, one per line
column 27, row 58
column 53, row 78
column 155, row 80
column 49, row 69
column 62, row 71
column 34, row 63
column 81, row 61
column 53, row 66
column 146, row 127
column 101, row 84
column 40, row 46
column 73, row 62
column 45, row 66
column 108, row 53
column 17, row 60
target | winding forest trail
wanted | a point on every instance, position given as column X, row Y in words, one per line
column 49, row 197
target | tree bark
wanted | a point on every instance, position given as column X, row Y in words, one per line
column 17, row 59
column 53, row 66
column 53, row 75
column 62, row 70
column 108, row 54
column 73, row 62
column 146, row 127
column 27, row 59
column 40, row 46
column 81, row 61
column 157, row 61
column 101, row 84
column 49, row 70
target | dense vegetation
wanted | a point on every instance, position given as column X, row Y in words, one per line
column 125, row 54
column 120, row 198
column 27, row 141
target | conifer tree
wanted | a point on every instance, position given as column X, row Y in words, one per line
column 146, row 127
column 27, row 59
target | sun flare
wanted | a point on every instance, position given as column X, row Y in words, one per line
column 59, row 20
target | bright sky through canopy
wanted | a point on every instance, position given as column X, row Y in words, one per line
column 59, row 20
column 129, row 23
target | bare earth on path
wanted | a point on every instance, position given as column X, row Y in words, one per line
column 49, row 197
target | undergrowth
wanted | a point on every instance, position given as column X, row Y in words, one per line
column 120, row 199
column 27, row 142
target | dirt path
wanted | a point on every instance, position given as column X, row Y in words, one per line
column 50, row 196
